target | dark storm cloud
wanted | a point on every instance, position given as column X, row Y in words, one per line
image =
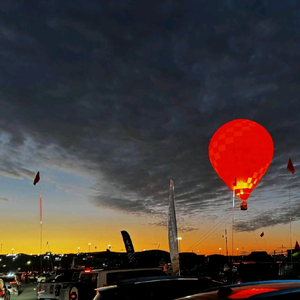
column 180, row 228
column 133, row 92
column 273, row 217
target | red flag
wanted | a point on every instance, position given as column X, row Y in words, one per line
column 37, row 178
column 297, row 247
column 262, row 234
column 290, row 166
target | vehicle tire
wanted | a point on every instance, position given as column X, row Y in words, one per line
column 74, row 293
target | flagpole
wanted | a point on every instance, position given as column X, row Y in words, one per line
column 290, row 220
column 232, row 223
column 41, row 232
column 290, row 168
column 226, row 242
column 290, row 212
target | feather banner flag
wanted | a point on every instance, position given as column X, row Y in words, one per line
column 290, row 166
column 37, row 178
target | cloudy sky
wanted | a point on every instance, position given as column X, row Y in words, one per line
column 110, row 99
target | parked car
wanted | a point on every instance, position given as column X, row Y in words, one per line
column 155, row 288
column 4, row 292
column 12, row 283
column 58, row 285
column 268, row 290
column 32, row 276
column 90, row 279
column 44, row 277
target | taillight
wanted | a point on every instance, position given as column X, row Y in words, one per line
column 73, row 296
column 87, row 270
column 12, row 282
column 1, row 293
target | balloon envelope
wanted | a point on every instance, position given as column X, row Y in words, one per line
column 241, row 151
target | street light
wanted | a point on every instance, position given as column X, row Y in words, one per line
column 179, row 239
column 78, row 248
column 12, row 250
column 89, row 247
column 220, row 250
column 109, row 247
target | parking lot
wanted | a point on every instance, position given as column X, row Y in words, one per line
column 28, row 292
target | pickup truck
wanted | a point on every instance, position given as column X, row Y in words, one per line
column 58, row 286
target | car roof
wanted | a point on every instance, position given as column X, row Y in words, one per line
column 156, row 278
column 250, row 290
column 8, row 278
column 113, row 270
column 141, row 280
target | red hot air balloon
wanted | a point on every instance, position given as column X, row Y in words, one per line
column 241, row 151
